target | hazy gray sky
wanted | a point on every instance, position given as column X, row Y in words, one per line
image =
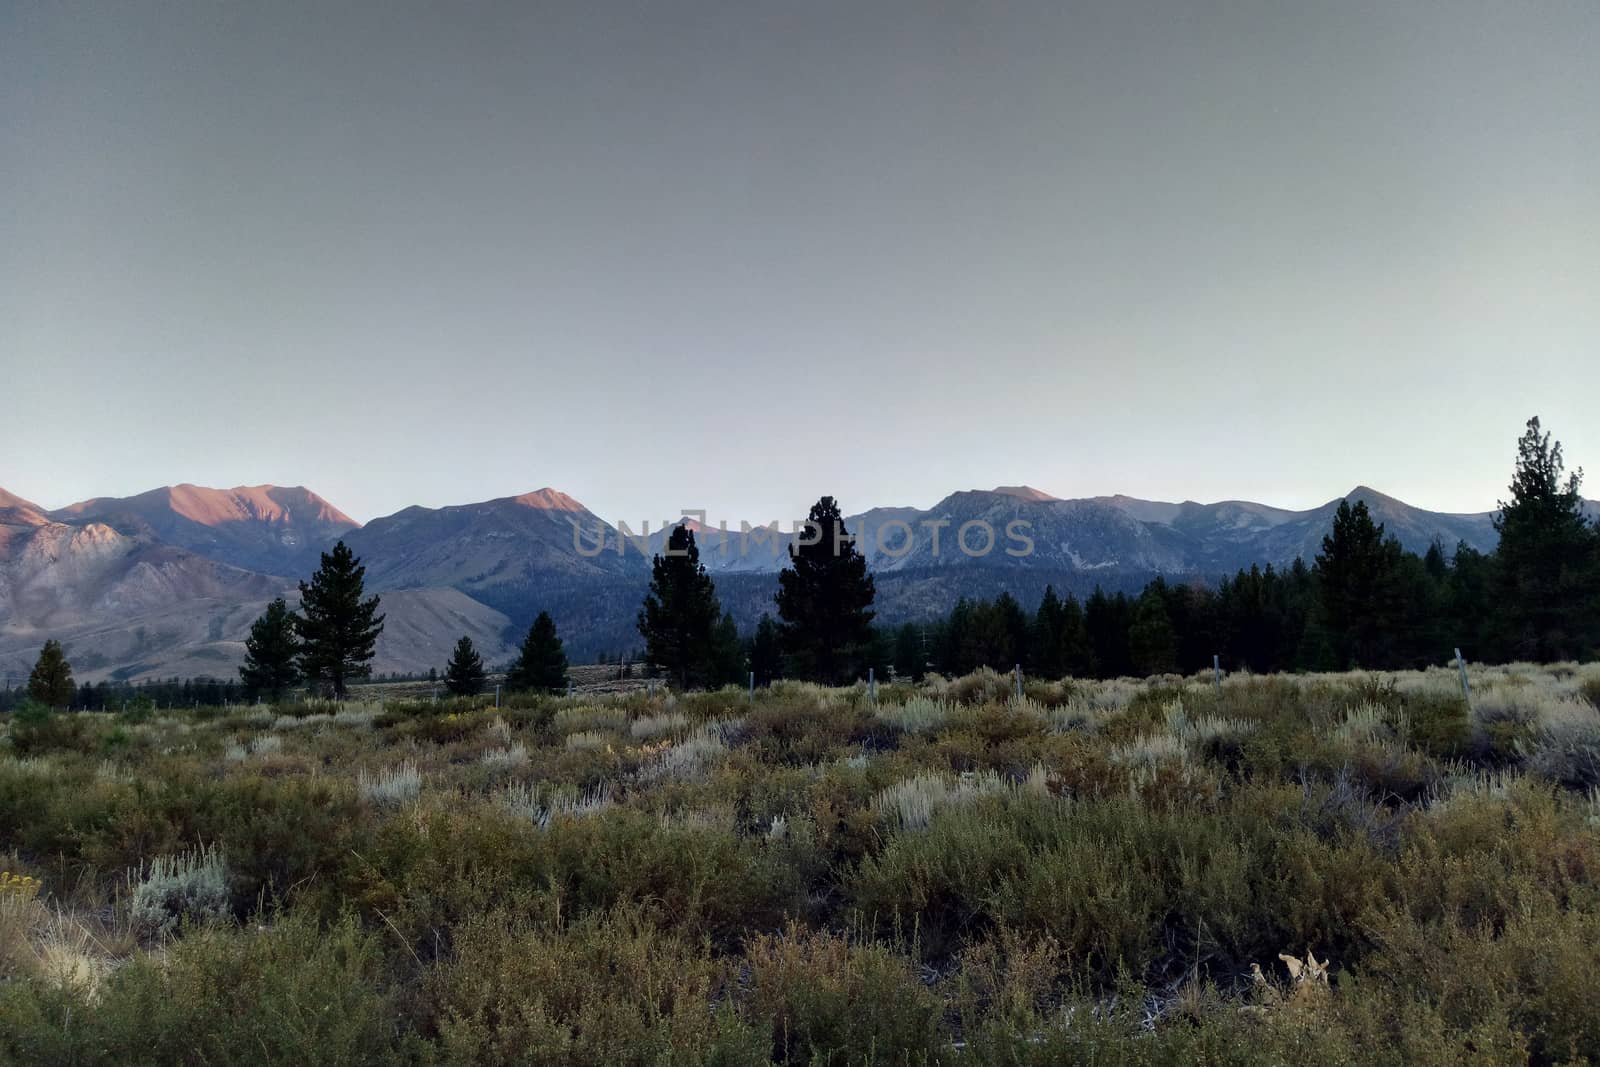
column 737, row 255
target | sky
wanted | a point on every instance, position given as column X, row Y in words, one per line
column 734, row 256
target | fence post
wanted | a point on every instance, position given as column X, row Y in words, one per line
column 752, row 686
column 1018, row 671
column 1216, row 672
column 1466, row 690
column 872, row 685
column 497, row 696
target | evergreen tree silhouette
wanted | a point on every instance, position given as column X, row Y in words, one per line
column 463, row 675
column 824, row 599
column 271, row 653
column 338, row 629
column 727, row 654
column 50, row 682
column 542, row 663
column 1548, row 573
column 680, row 613
column 1358, row 589
column 766, row 652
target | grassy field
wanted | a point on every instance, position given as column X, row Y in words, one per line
column 1298, row 869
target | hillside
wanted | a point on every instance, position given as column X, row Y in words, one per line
column 266, row 528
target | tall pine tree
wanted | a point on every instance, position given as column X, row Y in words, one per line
column 825, row 599
column 542, row 663
column 1548, row 572
column 271, row 652
column 338, row 629
column 1357, row 582
column 50, row 682
column 680, row 613
column 1151, row 642
column 463, row 675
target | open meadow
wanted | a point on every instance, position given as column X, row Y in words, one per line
column 1351, row 868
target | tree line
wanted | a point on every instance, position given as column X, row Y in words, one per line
column 1364, row 601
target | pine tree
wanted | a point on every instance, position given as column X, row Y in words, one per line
column 727, row 654
column 542, row 663
column 766, row 654
column 909, row 661
column 1358, row 586
column 1045, row 657
column 50, row 683
column 338, row 629
column 463, row 675
column 680, row 612
column 1151, row 641
column 824, row 599
column 271, row 653
column 1547, row 580
column 1077, row 658
column 955, row 640
column 1106, row 623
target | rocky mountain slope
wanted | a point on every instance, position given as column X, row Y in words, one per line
column 265, row 528
column 167, row 582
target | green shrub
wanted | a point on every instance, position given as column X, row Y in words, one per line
column 830, row 1001
column 611, row 989
column 288, row 994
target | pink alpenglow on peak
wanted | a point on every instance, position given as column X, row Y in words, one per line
column 1024, row 492
column 548, row 499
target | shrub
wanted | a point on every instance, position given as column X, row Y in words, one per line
column 919, row 715
column 187, row 887
column 501, row 758
column 610, row 989
column 292, row 993
column 833, row 1002
column 391, row 786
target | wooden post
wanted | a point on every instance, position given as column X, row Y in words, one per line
column 752, row 686
column 1216, row 672
column 1466, row 690
column 1018, row 671
column 872, row 685
column 497, row 696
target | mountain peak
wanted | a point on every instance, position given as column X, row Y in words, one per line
column 244, row 503
column 1370, row 495
column 1024, row 492
column 548, row 499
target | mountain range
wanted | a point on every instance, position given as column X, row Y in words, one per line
column 167, row 582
